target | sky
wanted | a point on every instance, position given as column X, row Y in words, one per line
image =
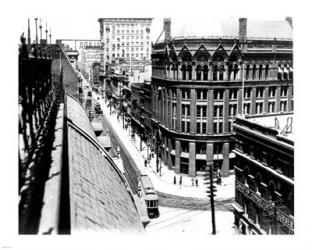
column 79, row 20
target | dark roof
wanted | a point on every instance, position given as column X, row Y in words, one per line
column 77, row 114
column 100, row 197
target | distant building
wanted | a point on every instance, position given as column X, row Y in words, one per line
column 264, row 175
column 141, row 109
column 127, row 41
column 201, row 82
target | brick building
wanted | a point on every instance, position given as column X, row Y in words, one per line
column 264, row 175
column 199, row 84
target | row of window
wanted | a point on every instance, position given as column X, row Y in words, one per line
column 219, row 71
column 218, row 93
column 147, row 30
column 128, row 43
column 202, row 111
column 127, row 38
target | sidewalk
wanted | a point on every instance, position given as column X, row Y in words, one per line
column 163, row 183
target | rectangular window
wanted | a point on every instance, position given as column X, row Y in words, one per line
column 204, row 127
column 198, row 127
column 204, row 111
column 283, row 106
column 215, row 127
column 259, row 92
column 185, row 94
column 188, row 127
column 198, row 94
column 174, row 94
column 246, row 108
column 220, row 127
column 259, row 107
column 284, row 91
column 247, row 93
column 218, row 94
column 232, row 109
column 205, row 95
column 198, row 111
column 272, row 91
column 271, row 107
column 233, row 94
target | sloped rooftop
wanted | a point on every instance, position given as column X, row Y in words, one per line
column 100, row 197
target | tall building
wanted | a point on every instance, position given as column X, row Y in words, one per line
column 126, row 40
column 200, row 83
column 264, row 175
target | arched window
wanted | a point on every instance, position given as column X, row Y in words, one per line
column 266, row 74
column 272, row 191
column 183, row 69
column 260, row 71
column 221, row 71
column 189, row 69
column 254, row 69
column 279, row 72
column 290, row 73
column 205, row 73
column 230, row 71
column 198, row 72
column 235, row 70
column 258, row 180
column 247, row 71
column 215, row 72
column 245, row 174
column 285, row 73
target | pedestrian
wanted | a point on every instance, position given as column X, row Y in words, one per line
column 196, row 182
column 180, row 182
column 145, row 163
column 174, row 180
column 219, row 177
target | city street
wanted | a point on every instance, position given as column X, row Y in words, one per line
column 180, row 211
column 179, row 220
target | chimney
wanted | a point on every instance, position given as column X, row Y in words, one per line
column 289, row 20
column 167, row 28
column 242, row 33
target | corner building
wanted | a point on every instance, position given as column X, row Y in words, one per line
column 199, row 84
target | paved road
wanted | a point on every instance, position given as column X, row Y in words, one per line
column 173, row 201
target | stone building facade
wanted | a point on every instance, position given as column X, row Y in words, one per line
column 264, row 175
column 128, row 39
column 200, row 84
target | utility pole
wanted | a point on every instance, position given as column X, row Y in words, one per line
column 36, row 31
column 209, row 180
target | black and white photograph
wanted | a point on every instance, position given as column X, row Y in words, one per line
column 155, row 124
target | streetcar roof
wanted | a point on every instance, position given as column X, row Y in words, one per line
column 146, row 182
column 151, row 197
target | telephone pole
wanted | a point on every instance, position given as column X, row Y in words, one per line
column 210, row 180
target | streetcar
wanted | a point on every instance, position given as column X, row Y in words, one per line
column 148, row 193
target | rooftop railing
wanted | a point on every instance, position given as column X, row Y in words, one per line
column 39, row 98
